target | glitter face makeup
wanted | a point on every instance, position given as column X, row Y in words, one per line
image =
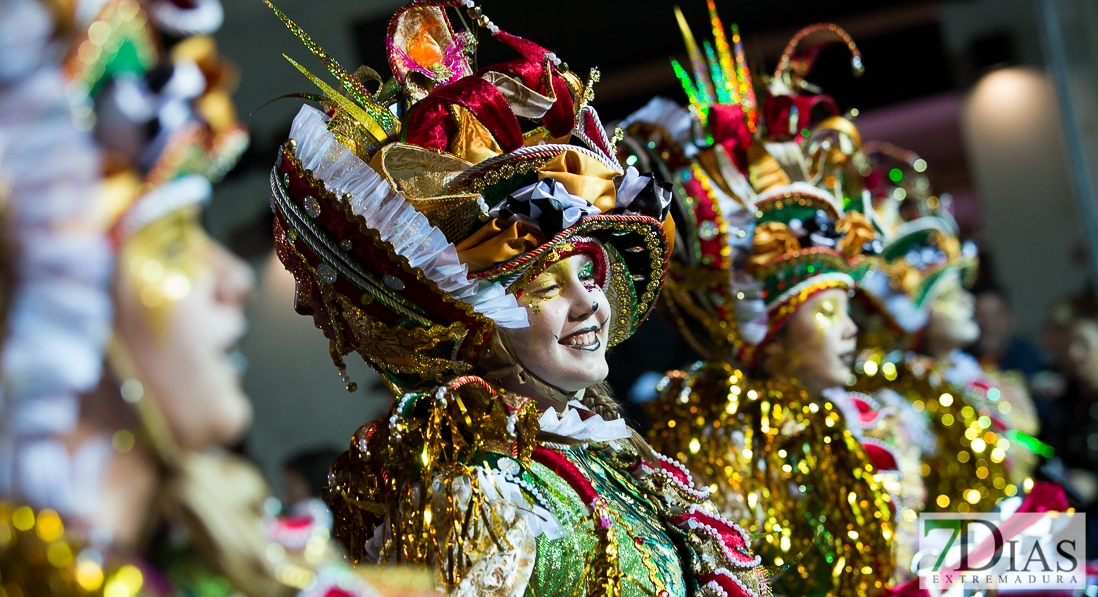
column 816, row 347
column 565, row 345
column 826, row 315
column 163, row 260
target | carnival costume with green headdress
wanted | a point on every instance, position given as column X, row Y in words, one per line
column 761, row 228
column 982, row 445
column 410, row 240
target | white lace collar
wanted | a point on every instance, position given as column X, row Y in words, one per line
column 592, row 429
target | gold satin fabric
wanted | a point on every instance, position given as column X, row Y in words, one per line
column 497, row 242
column 583, row 176
column 472, row 142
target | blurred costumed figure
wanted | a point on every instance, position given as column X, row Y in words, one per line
column 764, row 261
column 979, row 452
column 918, row 315
column 119, row 380
column 481, row 253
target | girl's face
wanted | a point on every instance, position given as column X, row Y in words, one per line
column 952, row 320
column 816, row 347
column 181, row 298
column 565, row 344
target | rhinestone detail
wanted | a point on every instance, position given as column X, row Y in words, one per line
column 312, row 206
column 326, row 273
column 394, row 282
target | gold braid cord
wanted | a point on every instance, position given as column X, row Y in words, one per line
column 788, row 470
column 406, row 491
column 967, row 472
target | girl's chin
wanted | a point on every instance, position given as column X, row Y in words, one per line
column 579, row 380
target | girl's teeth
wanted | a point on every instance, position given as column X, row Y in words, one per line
column 582, row 339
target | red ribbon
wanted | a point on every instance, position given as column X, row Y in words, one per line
column 728, row 126
column 778, row 108
column 563, row 468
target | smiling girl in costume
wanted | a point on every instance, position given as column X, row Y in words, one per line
column 482, row 253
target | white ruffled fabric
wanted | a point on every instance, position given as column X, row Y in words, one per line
column 60, row 319
column 851, row 415
column 398, row 223
column 497, row 487
column 593, row 429
column 669, row 116
column 963, row 369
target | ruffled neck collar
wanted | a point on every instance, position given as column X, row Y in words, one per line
column 579, row 423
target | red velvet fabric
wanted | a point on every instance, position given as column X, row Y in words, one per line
column 778, row 108
column 430, row 125
column 881, row 458
column 560, row 119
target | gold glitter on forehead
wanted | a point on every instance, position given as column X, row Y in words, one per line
column 827, row 314
column 163, row 260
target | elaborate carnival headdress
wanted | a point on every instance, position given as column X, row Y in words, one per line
column 410, row 237
column 410, row 240
column 761, row 224
column 163, row 112
column 921, row 247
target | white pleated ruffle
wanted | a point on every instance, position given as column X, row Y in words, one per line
column 396, row 220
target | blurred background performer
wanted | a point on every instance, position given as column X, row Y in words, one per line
column 759, row 285
column 482, row 254
column 114, row 473
column 920, row 316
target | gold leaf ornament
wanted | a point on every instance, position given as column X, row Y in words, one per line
column 856, row 231
column 772, row 240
